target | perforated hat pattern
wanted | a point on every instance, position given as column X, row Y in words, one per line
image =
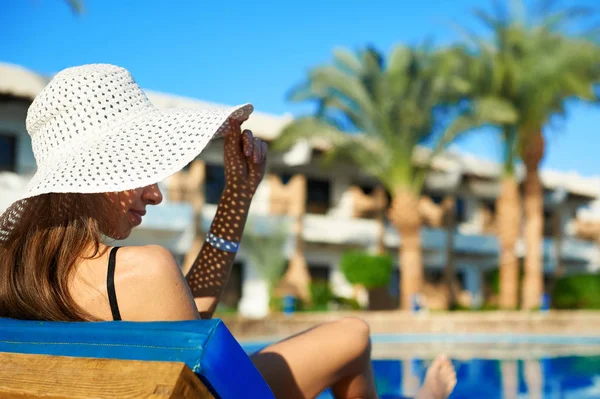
column 94, row 130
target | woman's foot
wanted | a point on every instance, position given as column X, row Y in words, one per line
column 439, row 380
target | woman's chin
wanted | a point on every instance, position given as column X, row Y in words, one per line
column 125, row 234
column 120, row 235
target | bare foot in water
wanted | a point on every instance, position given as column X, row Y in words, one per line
column 439, row 380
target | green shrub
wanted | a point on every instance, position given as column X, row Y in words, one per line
column 493, row 278
column 275, row 303
column 577, row 292
column 320, row 294
column 323, row 299
column 370, row 271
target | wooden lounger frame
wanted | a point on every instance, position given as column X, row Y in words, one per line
column 42, row 376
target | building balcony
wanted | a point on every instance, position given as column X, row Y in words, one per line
column 324, row 229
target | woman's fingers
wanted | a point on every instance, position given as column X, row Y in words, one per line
column 257, row 153
column 254, row 149
column 265, row 150
column 248, row 142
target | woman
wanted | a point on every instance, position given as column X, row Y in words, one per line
column 101, row 147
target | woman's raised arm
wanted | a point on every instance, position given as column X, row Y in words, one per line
column 245, row 160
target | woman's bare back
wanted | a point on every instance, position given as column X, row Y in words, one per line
column 148, row 285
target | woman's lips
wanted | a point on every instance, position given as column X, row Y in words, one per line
column 137, row 216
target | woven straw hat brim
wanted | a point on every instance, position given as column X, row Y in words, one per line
column 140, row 152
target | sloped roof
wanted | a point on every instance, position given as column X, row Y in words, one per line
column 21, row 82
column 265, row 126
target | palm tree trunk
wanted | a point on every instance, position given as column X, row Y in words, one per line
column 533, row 280
column 509, row 215
column 380, row 199
column 297, row 277
column 404, row 216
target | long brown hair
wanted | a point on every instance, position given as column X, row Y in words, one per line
column 38, row 258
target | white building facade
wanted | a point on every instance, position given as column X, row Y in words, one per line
column 329, row 227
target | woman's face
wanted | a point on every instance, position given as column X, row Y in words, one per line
column 130, row 207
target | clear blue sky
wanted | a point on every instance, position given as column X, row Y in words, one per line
column 253, row 51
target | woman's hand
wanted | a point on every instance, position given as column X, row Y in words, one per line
column 245, row 160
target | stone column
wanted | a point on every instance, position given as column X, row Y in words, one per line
column 255, row 293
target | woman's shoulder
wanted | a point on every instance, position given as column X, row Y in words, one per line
column 150, row 285
column 147, row 259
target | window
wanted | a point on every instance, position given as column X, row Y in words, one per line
column 214, row 184
column 549, row 223
column 433, row 276
column 437, row 199
column 8, row 153
column 461, row 212
column 318, row 196
column 461, row 278
column 368, row 190
column 285, row 177
column 490, row 205
column 319, row 273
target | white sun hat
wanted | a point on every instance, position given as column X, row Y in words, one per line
column 93, row 130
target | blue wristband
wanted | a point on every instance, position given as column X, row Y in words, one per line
column 221, row 243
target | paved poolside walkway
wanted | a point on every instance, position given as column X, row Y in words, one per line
column 564, row 323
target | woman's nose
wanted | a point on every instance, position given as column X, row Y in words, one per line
column 152, row 195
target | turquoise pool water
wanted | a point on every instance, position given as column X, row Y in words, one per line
column 536, row 367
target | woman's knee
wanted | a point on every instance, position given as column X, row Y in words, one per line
column 358, row 332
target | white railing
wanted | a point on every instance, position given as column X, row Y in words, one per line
column 172, row 222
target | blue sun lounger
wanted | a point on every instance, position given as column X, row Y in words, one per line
column 205, row 346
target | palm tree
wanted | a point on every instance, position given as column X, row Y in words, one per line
column 76, row 6
column 486, row 83
column 528, row 68
column 375, row 114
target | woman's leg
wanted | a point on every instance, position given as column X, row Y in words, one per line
column 440, row 380
column 335, row 355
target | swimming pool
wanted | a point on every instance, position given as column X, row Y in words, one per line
column 488, row 365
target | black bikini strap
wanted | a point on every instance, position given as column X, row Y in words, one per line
column 110, row 285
